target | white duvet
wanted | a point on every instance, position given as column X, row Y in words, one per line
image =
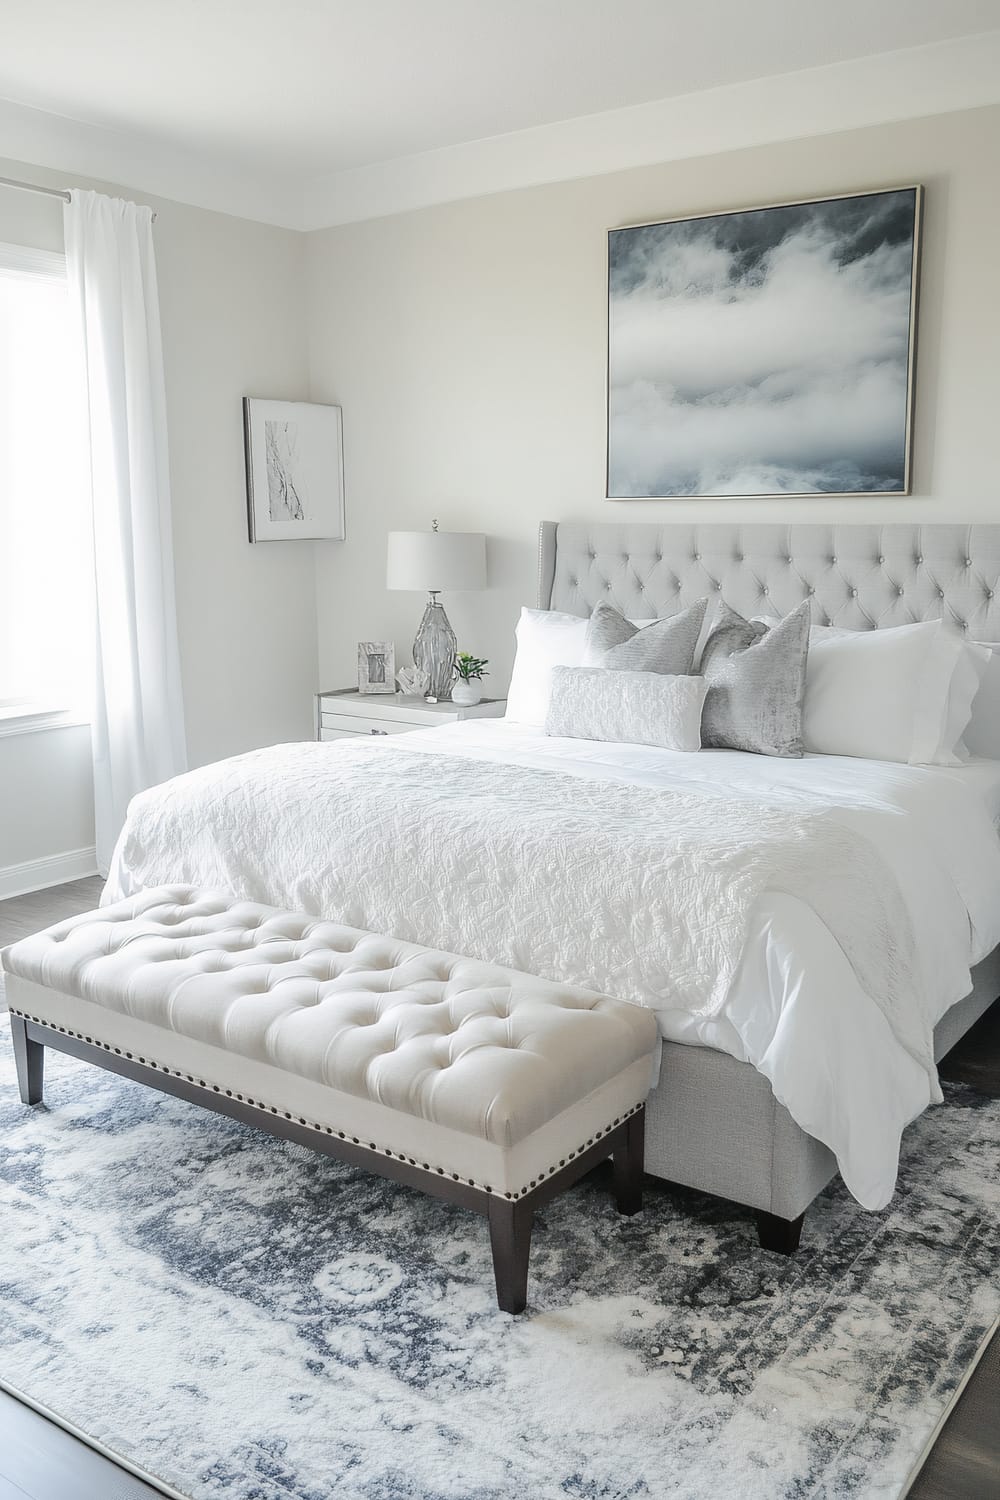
column 829, row 986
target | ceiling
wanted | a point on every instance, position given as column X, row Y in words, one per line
column 307, row 89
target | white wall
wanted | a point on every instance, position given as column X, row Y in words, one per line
column 467, row 346
column 233, row 314
column 46, row 809
column 232, row 303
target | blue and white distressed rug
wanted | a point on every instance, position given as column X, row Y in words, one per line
column 249, row 1321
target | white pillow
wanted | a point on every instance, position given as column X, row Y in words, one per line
column 966, row 686
column 546, row 638
column 982, row 734
column 902, row 694
column 626, row 708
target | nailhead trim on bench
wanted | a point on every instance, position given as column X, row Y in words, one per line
column 323, row 1129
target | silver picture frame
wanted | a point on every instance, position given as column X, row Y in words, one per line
column 376, row 667
column 842, row 473
column 294, row 452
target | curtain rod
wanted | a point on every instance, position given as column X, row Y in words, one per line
column 36, row 187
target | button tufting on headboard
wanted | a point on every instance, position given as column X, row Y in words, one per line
column 861, row 577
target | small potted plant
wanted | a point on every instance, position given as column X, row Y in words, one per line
column 469, row 672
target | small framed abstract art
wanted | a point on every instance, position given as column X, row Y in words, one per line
column 768, row 351
column 295, row 470
column 376, row 667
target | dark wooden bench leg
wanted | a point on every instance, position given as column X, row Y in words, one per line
column 779, row 1235
column 510, row 1238
column 629, row 1164
column 29, row 1060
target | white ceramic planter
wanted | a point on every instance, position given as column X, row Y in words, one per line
column 466, row 694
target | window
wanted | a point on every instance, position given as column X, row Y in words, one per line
column 46, row 632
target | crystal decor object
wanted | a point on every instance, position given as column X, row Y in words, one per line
column 434, row 650
column 412, row 682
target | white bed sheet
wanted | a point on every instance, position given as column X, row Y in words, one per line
column 795, row 1010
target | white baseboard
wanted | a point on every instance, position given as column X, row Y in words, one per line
column 54, row 869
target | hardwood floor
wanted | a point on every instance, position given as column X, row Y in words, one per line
column 39, row 1461
column 23, row 915
column 964, row 1463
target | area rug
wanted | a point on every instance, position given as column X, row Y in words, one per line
column 248, row 1321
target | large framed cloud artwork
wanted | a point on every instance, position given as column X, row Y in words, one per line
column 295, row 470
column 767, row 351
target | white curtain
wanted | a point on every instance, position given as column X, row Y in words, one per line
column 137, row 721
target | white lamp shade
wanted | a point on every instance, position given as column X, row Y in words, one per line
column 433, row 561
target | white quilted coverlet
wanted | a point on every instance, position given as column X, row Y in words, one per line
column 640, row 893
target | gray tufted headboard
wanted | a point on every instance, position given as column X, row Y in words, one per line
column 861, row 577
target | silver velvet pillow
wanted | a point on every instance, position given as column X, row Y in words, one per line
column 756, row 678
column 666, row 645
column 626, row 708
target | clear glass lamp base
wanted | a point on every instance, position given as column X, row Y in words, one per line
column 434, row 651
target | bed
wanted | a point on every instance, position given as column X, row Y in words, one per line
column 491, row 839
column 714, row 1123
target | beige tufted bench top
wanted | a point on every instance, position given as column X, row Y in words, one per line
column 474, row 1082
column 402, row 1046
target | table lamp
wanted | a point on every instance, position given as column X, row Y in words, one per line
column 434, row 561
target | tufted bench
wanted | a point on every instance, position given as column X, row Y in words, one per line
column 479, row 1084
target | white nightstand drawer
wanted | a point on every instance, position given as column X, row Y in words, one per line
column 354, row 725
column 344, row 713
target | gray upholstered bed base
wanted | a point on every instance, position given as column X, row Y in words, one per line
column 713, row 1123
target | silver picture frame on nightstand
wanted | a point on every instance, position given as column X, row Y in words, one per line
column 376, row 667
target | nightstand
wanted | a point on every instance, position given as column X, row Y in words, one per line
column 342, row 712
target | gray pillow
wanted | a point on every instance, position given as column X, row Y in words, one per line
column 626, row 708
column 756, row 679
column 666, row 645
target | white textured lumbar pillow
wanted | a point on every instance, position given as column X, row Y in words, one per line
column 626, row 708
column 901, row 694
